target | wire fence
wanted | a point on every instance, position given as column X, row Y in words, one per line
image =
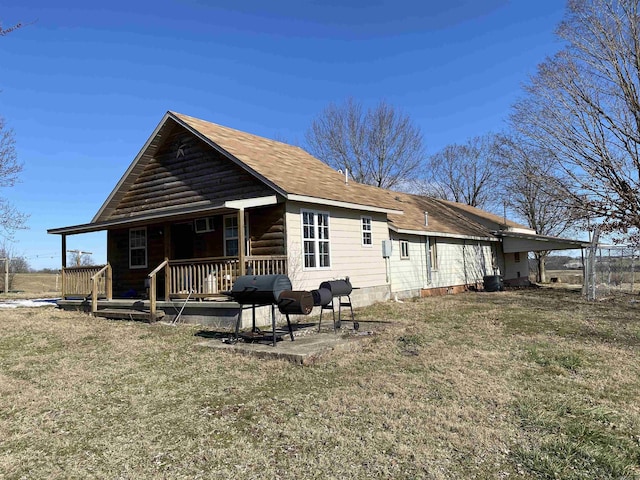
column 610, row 270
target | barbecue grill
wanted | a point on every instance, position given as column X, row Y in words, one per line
column 327, row 293
column 269, row 290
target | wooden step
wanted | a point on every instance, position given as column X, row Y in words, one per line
column 128, row 314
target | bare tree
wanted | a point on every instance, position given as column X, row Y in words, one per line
column 529, row 190
column 380, row 146
column 464, row 173
column 583, row 105
column 10, row 168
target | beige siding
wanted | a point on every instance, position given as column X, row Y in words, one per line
column 364, row 265
column 459, row 262
column 462, row 262
column 516, row 270
column 408, row 274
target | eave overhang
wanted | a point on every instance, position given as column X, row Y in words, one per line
column 167, row 214
column 426, row 233
column 522, row 242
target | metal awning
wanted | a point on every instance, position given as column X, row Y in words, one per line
column 525, row 242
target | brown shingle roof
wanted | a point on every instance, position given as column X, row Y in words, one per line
column 441, row 218
column 289, row 168
column 294, row 171
column 483, row 214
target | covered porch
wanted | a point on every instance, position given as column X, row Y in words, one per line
column 194, row 256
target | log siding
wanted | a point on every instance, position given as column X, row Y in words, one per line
column 184, row 171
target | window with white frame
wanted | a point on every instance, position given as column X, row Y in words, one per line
column 138, row 247
column 315, row 237
column 231, row 235
column 367, row 240
column 433, row 254
column 404, row 249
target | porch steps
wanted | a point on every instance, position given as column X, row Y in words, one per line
column 128, row 314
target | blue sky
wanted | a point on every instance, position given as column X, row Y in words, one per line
column 84, row 86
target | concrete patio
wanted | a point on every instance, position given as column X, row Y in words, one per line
column 308, row 346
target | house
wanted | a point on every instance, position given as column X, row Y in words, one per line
column 202, row 204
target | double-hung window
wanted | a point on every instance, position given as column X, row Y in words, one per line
column 433, row 253
column 231, row 235
column 138, row 247
column 315, row 237
column 404, row 249
column 367, row 240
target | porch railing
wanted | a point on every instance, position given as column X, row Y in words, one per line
column 193, row 278
column 205, row 277
column 211, row 276
column 101, row 282
column 78, row 281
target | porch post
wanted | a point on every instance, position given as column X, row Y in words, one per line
column 241, row 241
column 64, row 265
column 167, row 255
column 64, row 251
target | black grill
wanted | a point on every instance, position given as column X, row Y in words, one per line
column 325, row 295
column 259, row 290
column 338, row 288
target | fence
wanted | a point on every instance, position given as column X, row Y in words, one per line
column 611, row 270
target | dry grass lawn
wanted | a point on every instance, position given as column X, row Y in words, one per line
column 523, row 384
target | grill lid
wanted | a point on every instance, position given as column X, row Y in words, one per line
column 259, row 289
column 338, row 287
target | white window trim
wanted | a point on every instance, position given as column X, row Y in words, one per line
column 208, row 225
column 408, row 255
column 146, row 241
column 246, row 233
column 433, row 254
column 363, row 231
column 316, row 239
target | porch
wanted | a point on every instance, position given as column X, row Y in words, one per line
column 170, row 285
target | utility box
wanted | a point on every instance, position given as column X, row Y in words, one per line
column 387, row 248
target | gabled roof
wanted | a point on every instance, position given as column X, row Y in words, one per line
column 293, row 174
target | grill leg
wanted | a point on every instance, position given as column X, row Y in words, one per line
column 289, row 325
column 273, row 323
column 238, row 322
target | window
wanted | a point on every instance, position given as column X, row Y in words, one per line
column 367, row 241
column 516, row 257
column 433, row 254
column 231, row 235
column 315, row 237
column 404, row 249
column 138, row 247
column 204, row 225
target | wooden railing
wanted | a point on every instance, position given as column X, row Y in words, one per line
column 266, row 264
column 78, row 281
column 212, row 276
column 153, row 293
column 101, row 282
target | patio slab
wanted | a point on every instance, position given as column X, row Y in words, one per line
column 306, row 349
